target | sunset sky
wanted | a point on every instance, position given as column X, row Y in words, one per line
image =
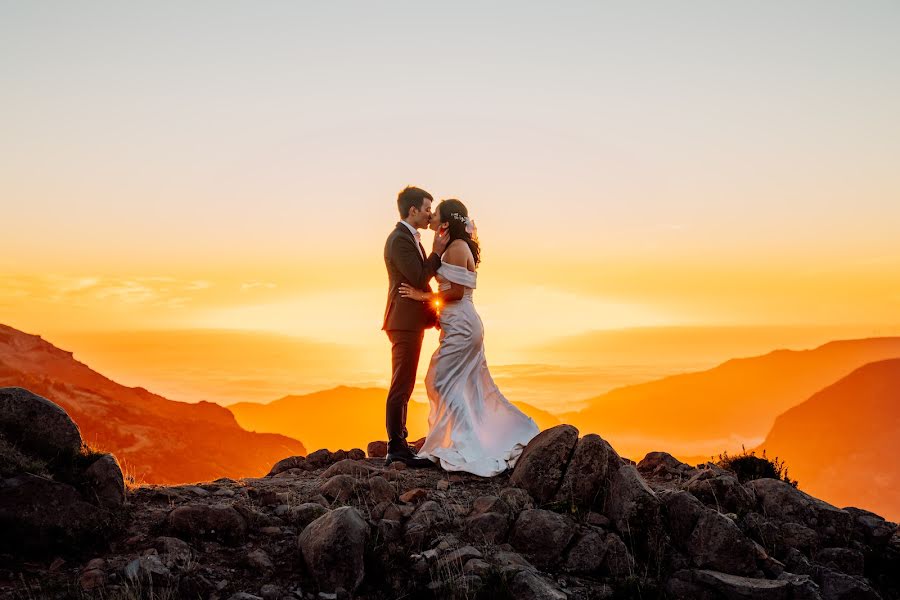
column 215, row 165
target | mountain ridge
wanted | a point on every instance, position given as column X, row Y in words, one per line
column 149, row 433
column 733, row 403
column 849, row 431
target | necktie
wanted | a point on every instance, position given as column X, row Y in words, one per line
column 419, row 244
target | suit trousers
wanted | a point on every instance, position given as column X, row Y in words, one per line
column 405, row 349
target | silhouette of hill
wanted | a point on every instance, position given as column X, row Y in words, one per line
column 343, row 416
column 157, row 440
column 841, row 443
column 705, row 412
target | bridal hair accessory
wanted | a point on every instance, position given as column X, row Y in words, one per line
column 470, row 223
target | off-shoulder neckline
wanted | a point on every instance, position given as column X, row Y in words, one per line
column 466, row 269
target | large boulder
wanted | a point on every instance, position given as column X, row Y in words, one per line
column 542, row 535
column 36, row 424
column 541, row 467
column 632, row 506
column 105, row 481
column 38, row 514
column 841, row 586
column 662, row 465
column 780, row 501
column 587, row 554
column 716, row 543
column 845, row 560
column 586, row 479
column 286, row 464
column 219, row 522
column 489, row 520
column 681, row 511
column 333, row 548
column 870, row 528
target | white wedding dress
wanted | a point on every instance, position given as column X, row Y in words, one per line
column 471, row 426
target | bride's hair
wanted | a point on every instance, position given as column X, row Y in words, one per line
column 454, row 213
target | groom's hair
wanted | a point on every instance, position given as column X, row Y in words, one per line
column 409, row 197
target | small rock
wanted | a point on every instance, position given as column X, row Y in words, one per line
column 318, row 459
column 258, row 559
column 542, row 535
column 149, row 569
column 389, row 530
column 92, row 579
column 347, row 467
column 527, row 585
column 427, row 518
column 270, row 592
column 414, row 495
column 459, row 557
column 341, row 487
column 173, row 551
column 376, row 449
column 516, row 499
column 477, row 566
column 597, row 520
column 443, row 485
column 105, row 481
column 381, row 490
column 306, row 513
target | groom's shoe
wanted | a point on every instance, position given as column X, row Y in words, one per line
column 407, row 457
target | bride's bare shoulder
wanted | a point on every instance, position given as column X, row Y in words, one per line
column 458, row 253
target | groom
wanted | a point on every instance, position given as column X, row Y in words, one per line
column 406, row 320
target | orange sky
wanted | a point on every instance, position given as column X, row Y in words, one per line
column 184, row 169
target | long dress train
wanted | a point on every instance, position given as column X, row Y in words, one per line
column 472, row 427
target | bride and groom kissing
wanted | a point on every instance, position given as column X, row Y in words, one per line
column 472, row 427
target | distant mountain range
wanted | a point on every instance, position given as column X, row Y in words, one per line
column 841, row 443
column 705, row 412
column 157, row 440
column 835, row 409
column 344, row 417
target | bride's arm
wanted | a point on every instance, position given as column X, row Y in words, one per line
column 454, row 294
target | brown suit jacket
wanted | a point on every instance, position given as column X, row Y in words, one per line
column 405, row 265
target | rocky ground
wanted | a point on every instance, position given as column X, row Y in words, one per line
column 573, row 520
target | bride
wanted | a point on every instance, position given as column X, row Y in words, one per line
column 471, row 426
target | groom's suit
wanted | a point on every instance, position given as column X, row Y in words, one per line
column 405, row 321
